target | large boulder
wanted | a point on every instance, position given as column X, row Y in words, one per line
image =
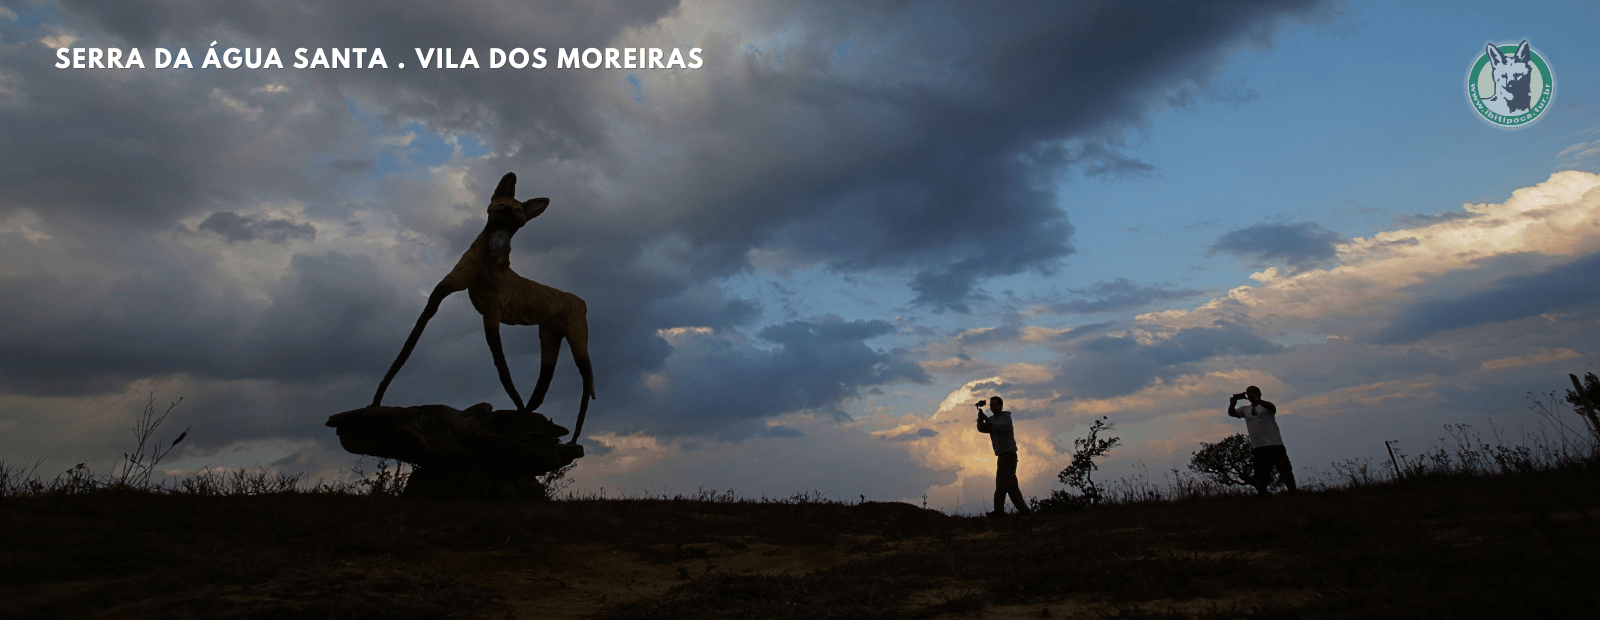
column 476, row 453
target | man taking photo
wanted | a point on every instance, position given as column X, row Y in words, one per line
column 1001, row 435
column 1266, row 444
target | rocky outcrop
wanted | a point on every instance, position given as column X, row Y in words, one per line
column 474, row 453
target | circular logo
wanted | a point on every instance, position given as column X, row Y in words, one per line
column 1510, row 85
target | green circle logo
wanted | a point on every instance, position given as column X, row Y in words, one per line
column 1510, row 85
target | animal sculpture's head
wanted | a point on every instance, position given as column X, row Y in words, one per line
column 506, row 212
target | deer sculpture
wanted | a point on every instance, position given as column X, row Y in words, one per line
column 503, row 297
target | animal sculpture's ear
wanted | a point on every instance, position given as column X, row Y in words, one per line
column 534, row 206
column 1495, row 56
column 507, row 187
column 1523, row 53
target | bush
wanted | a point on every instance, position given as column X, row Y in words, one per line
column 1079, row 474
column 1227, row 462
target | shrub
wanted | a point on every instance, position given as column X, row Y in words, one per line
column 1080, row 474
column 1227, row 462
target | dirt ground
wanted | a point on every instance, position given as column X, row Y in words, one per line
column 1505, row 547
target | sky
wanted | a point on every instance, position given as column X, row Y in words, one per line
column 807, row 256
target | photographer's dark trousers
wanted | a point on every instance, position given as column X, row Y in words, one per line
column 1264, row 460
column 1005, row 482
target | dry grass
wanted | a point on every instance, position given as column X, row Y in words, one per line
column 1452, row 546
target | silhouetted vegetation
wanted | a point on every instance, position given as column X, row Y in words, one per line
column 1080, row 474
column 1585, row 400
column 136, row 466
column 1226, row 462
column 1230, row 463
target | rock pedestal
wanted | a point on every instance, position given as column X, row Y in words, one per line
column 476, row 453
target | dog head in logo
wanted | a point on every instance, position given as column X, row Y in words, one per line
column 1511, row 73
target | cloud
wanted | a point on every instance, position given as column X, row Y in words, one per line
column 78, row 343
column 324, row 299
column 1117, row 295
column 921, row 433
column 169, row 322
column 352, row 165
column 1537, row 228
column 1573, row 286
column 1198, row 343
column 1105, row 366
column 1578, row 152
column 840, row 462
column 721, row 383
column 1542, row 357
column 1423, row 220
column 779, row 430
column 236, row 228
column 1299, row 246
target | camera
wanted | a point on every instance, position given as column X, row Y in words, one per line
column 983, row 403
column 1242, row 396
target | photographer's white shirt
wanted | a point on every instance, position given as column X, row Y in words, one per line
column 1261, row 423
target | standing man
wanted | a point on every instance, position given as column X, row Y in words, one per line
column 1266, row 445
column 1001, row 435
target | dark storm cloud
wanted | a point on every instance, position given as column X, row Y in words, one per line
column 703, row 306
column 1117, row 295
column 1107, row 366
column 235, row 228
column 1564, row 288
column 1297, row 246
column 989, row 107
column 1197, row 343
column 904, row 138
column 352, row 165
column 1188, row 345
column 1094, row 157
column 323, row 321
column 166, row 143
column 783, row 431
column 816, row 366
column 828, row 361
column 143, row 151
column 85, row 337
column 1333, row 363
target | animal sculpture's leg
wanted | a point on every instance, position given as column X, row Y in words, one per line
column 439, row 293
column 579, row 340
column 580, row 355
column 491, row 332
column 549, row 352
